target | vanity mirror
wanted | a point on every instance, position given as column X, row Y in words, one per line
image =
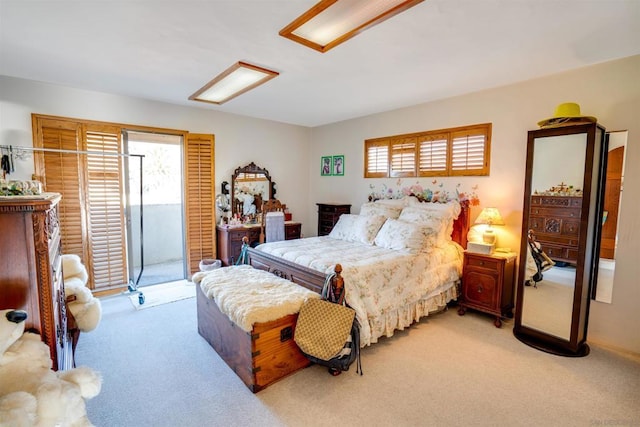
column 250, row 186
column 562, row 218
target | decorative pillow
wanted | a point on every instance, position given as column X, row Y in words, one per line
column 451, row 208
column 375, row 208
column 342, row 229
column 436, row 220
column 357, row 228
column 406, row 236
column 398, row 203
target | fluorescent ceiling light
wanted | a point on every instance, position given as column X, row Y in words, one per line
column 331, row 22
column 234, row 81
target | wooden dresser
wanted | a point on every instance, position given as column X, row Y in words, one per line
column 328, row 215
column 555, row 221
column 229, row 239
column 31, row 270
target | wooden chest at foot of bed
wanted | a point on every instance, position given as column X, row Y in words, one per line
column 259, row 358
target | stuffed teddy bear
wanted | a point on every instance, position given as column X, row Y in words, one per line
column 84, row 307
column 31, row 393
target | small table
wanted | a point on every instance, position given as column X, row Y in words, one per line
column 488, row 284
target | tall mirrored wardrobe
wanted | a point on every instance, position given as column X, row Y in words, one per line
column 561, row 230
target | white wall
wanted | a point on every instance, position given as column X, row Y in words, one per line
column 608, row 91
column 280, row 148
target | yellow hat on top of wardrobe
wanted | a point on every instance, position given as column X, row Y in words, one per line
column 566, row 113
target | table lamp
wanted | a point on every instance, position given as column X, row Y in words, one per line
column 489, row 216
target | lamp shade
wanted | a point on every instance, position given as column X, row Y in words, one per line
column 490, row 216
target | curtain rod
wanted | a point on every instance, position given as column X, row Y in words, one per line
column 59, row 150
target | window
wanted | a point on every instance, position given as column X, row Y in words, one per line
column 446, row 152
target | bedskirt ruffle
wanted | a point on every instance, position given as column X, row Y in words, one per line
column 386, row 324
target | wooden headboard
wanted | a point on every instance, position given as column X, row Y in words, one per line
column 461, row 225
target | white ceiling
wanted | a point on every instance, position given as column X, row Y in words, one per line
column 166, row 50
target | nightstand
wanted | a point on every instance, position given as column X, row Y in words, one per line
column 488, row 284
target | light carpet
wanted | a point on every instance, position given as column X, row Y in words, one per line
column 447, row 370
column 163, row 294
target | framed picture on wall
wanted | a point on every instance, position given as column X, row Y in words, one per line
column 338, row 165
column 325, row 166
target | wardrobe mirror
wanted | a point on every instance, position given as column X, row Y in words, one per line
column 250, row 186
column 560, row 237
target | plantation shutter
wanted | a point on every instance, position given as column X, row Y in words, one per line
column 91, row 209
column 105, row 205
column 61, row 173
column 444, row 152
column 403, row 157
column 469, row 153
column 432, row 152
column 199, row 199
column 376, row 159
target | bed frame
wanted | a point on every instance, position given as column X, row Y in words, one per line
column 314, row 280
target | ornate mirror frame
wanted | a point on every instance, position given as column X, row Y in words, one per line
column 254, row 180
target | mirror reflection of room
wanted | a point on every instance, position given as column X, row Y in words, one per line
column 250, row 187
column 557, row 177
column 612, row 202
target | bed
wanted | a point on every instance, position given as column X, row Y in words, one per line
column 400, row 259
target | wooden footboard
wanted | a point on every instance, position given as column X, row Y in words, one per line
column 303, row 276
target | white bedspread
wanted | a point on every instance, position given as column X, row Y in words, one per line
column 388, row 289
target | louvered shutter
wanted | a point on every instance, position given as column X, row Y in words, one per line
column 403, row 157
column 469, row 153
column 432, row 155
column 199, row 198
column 376, row 159
column 61, row 173
column 105, row 205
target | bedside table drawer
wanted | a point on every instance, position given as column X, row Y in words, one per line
column 487, row 263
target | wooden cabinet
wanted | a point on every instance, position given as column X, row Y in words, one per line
column 292, row 230
column 31, row 270
column 229, row 239
column 487, row 284
column 555, row 221
column 328, row 215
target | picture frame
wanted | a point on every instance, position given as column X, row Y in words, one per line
column 326, row 166
column 338, row 165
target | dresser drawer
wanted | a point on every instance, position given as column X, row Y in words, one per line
column 335, row 209
column 485, row 263
column 570, row 228
column 559, row 213
column 292, row 231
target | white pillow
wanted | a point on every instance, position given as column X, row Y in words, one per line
column 398, row 203
column 405, row 236
column 374, row 208
column 452, row 208
column 439, row 221
column 357, row 228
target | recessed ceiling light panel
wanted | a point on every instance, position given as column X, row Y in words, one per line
column 331, row 22
column 234, row 81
